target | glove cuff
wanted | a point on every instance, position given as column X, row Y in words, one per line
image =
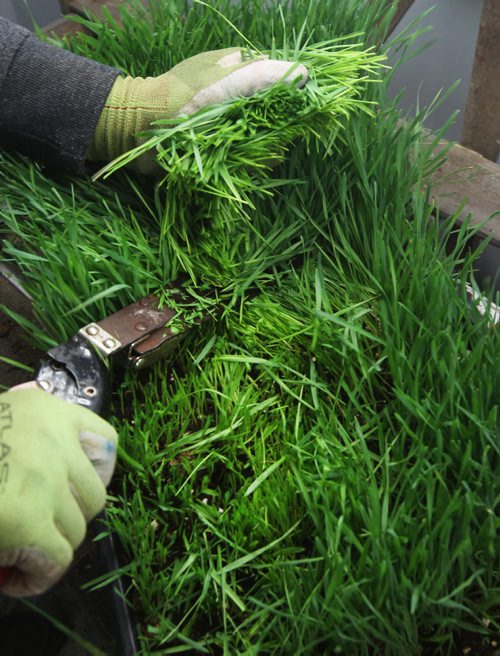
column 119, row 121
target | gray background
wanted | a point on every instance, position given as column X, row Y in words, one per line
column 44, row 11
column 449, row 57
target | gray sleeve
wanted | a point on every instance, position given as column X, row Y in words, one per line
column 50, row 99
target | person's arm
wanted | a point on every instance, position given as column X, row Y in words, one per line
column 50, row 99
column 64, row 109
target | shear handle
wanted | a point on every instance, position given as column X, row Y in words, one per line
column 74, row 371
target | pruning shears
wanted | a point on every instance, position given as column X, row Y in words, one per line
column 78, row 370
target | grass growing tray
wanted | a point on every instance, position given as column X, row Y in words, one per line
column 315, row 469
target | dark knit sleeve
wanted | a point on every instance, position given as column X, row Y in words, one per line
column 50, row 99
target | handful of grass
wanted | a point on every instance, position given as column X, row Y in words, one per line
column 229, row 149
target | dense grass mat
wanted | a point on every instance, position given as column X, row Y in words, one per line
column 314, row 471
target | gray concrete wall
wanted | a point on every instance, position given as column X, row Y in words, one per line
column 22, row 11
column 449, row 57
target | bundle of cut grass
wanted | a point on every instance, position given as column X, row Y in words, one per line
column 229, row 149
column 316, row 470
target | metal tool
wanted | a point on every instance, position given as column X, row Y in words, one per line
column 78, row 370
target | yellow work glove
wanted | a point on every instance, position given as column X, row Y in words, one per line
column 208, row 78
column 55, row 460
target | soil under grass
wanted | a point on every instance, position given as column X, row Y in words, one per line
column 314, row 470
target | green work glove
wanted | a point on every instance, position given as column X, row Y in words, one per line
column 208, row 78
column 55, row 460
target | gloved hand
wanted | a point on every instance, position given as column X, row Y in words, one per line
column 55, row 460
column 208, row 78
